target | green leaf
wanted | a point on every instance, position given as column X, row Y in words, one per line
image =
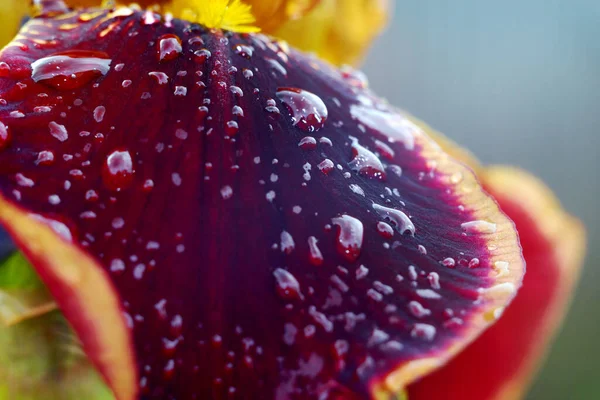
column 17, row 273
column 40, row 356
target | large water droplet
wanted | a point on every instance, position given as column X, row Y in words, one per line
column 308, row 111
column 401, row 221
column 366, row 162
column 70, row 70
column 118, row 171
column 350, row 236
column 169, row 47
column 394, row 126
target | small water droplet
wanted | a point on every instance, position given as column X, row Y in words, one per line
column 423, row 331
column 307, row 143
column 449, row 262
column 307, row 110
column 169, row 47
column 244, row 51
column 99, row 113
column 160, row 77
column 385, row 230
column 287, row 242
column 401, row 221
column 118, row 172
column 326, row 166
column 314, row 253
column 350, row 236
column 200, row 56
column 58, row 131
column 288, row 287
column 479, row 226
column 4, row 136
column 226, row 192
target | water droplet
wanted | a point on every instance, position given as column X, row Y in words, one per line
column 449, row 262
column 320, row 319
column 314, row 253
column 357, row 189
column 307, row 143
column 226, row 192
column 276, row 66
column 287, row 242
column 169, row 47
column 99, row 113
column 288, row 287
column 231, row 128
column 45, row 157
column 423, row 331
column 244, row 51
column 354, row 77
column 385, row 230
column 479, row 227
column 326, row 166
column 308, row 111
column 349, row 237
column 160, row 77
column 385, row 150
column 200, row 56
column 118, row 172
column 394, row 126
column 418, row 310
column 366, row 162
column 58, row 131
column 428, row 294
column 4, row 136
column 400, row 220
column 434, row 280
column 70, row 70
column 58, row 227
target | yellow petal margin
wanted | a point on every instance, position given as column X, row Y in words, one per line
column 12, row 13
column 549, row 233
column 84, row 294
column 568, row 237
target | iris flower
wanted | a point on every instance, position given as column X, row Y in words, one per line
column 201, row 211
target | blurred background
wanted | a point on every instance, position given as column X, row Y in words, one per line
column 517, row 82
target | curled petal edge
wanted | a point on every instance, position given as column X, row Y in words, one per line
column 535, row 210
column 84, row 293
column 508, row 270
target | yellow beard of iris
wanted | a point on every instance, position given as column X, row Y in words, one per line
column 231, row 15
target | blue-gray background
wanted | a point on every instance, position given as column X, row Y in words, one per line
column 517, row 82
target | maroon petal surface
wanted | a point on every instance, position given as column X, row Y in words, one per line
column 271, row 228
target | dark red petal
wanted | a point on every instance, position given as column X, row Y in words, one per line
column 500, row 364
column 272, row 231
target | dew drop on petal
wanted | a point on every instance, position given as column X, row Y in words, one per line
column 118, row 172
column 287, row 287
column 58, row 131
column 4, row 136
column 169, row 47
column 400, row 220
column 366, row 162
column 315, row 256
column 349, row 237
column 307, row 110
column 70, row 70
